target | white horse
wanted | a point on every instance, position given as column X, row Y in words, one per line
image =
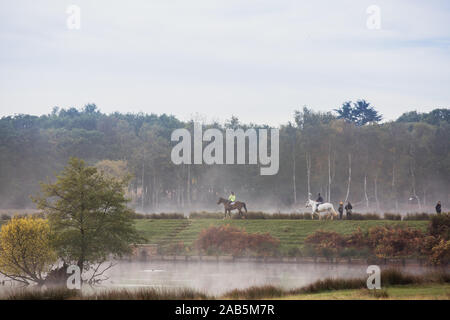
column 321, row 208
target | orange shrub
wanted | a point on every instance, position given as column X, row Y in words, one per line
column 237, row 242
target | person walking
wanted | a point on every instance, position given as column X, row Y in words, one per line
column 438, row 208
column 348, row 210
column 341, row 209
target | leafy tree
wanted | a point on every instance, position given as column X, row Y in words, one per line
column 89, row 216
column 26, row 254
column 435, row 117
column 360, row 113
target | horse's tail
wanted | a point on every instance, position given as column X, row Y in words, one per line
column 245, row 207
column 334, row 211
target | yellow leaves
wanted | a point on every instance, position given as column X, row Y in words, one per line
column 25, row 246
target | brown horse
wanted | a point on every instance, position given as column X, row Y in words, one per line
column 236, row 206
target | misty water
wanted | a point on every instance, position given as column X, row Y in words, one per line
column 217, row 278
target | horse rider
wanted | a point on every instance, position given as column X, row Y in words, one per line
column 232, row 198
column 438, row 208
column 348, row 210
column 319, row 202
column 341, row 209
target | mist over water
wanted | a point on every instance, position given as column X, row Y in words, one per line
column 219, row 277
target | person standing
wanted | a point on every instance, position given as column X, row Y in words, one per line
column 341, row 209
column 348, row 210
column 438, row 208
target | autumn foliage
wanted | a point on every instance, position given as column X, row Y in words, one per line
column 383, row 242
column 25, row 251
column 237, row 242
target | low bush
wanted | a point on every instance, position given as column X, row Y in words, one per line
column 391, row 277
column 332, row 284
column 237, row 242
column 205, row 215
column 392, row 216
column 440, row 226
column 148, row 294
column 365, row 216
column 255, row 292
column 416, row 216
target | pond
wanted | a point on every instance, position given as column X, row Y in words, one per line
column 217, row 278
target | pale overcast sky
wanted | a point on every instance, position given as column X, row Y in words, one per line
column 258, row 60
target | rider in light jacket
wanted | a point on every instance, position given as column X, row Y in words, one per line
column 232, row 198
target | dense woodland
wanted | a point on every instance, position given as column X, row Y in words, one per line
column 345, row 154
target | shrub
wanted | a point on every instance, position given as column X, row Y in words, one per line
column 252, row 293
column 176, row 248
column 205, row 215
column 358, row 239
column 440, row 253
column 391, row 277
column 235, row 241
column 325, row 243
column 372, row 216
column 395, row 241
column 392, row 216
column 379, row 293
column 26, row 251
column 332, row 284
column 416, row 216
column 252, row 215
column 440, row 226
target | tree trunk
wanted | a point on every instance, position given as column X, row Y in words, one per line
column 376, row 193
column 188, row 195
column 293, row 176
column 308, row 173
column 143, row 178
column 365, row 191
column 349, row 176
column 393, row 190
column 329, row 174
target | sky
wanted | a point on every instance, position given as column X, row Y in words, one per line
column 210, row 59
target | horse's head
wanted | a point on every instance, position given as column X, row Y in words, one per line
column 221, row 200
column 308, row 203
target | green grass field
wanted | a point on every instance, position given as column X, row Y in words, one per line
column 291, row 233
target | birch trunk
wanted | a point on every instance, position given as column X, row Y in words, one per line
column 349, row 176
column 365, row 191
column 308, row 173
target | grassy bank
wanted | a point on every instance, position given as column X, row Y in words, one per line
column 291, row 233
column 407, row 292
column 395, row 285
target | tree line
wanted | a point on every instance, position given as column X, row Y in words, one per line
column 345, row 154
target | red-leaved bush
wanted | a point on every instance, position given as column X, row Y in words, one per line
column 237, row 242
column 383, row 242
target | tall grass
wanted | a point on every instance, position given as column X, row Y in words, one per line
column 389, row 277
column 148, row 294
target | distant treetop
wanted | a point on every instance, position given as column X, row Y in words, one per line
column 359, row 112
column 434, row 117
